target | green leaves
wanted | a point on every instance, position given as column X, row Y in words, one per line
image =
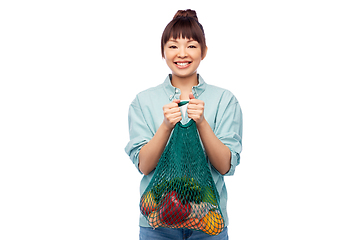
column 159, row 190
column 188, row 189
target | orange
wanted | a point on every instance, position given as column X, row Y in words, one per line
column 212, row 223
column 154, row 219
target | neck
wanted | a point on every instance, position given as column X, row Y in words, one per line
column 184, row 83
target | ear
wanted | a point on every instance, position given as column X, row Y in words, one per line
column 204, row 54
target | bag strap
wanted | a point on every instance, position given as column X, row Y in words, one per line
column 182, row 103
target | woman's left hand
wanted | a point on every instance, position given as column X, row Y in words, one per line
column 196, row 109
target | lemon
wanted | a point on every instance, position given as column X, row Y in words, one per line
column 148, row 204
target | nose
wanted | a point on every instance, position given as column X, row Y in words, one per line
column 182, row 52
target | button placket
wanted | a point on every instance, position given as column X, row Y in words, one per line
column 177, row 93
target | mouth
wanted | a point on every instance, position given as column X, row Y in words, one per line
column 182, row 65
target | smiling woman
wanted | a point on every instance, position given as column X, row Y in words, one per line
column 152, row 117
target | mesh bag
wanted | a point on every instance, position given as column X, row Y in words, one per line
column 182, row 192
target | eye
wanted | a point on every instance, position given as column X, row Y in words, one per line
column 192, row 46
column 173, row 47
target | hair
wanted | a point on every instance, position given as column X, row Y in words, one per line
column 185, row 24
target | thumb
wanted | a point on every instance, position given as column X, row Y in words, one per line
column 191, row 96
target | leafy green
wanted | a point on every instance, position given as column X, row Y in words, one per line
column 187, row 188
column 159, row 190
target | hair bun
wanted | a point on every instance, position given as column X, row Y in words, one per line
column 186, row 13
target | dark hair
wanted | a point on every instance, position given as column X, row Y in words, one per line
column 185, row 24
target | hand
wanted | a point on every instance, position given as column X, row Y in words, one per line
column 196, row 109
column 172, row 114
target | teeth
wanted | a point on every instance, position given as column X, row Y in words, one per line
column 182, row 64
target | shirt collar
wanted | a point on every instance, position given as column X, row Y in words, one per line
column 174, row 93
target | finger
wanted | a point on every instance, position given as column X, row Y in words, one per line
column 174, row 107
column 175, row 120
column 193, row 106
column 194, row 112
column 172, row 112
column 173, row 115
column 193, row 117
column 196, row 101
column 178, row 119
column 191, row 96
column 170, row 105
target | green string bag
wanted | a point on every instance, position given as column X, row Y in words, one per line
column 182, row 192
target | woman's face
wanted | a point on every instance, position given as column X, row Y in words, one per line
column 183, row 56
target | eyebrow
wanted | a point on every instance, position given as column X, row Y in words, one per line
column 174, row 40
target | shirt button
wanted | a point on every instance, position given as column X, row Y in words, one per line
column 177, row 90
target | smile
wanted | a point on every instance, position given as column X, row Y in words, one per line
column 182, row 65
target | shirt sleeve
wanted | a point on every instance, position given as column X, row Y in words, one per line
column 139, row 132
column 229, row 128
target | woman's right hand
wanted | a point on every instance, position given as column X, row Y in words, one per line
column 172, row 114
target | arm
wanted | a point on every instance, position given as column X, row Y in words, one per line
column 219, row 154
column 151, row 152
column 223, row 144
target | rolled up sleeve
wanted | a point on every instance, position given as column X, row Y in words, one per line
column 229, row 130
column 139, row 132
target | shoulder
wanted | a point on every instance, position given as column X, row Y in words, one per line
column 224, row 95
column 150, row 102
column 150, row 91
column 146, row 95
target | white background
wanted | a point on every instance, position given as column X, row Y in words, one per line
column 69, row 70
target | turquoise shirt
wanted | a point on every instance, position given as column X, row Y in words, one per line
column 222, row 112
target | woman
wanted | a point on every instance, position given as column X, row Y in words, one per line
column 154, row 113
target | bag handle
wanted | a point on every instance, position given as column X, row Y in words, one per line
column 183, row 103
column 188, row 124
